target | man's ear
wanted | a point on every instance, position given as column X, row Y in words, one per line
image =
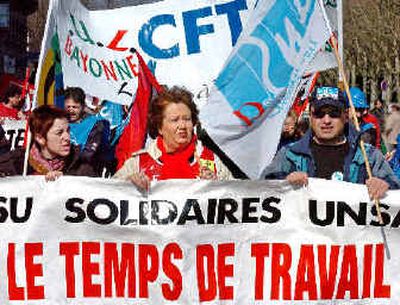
column 40, row 140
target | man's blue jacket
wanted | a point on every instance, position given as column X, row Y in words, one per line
column 297, row 157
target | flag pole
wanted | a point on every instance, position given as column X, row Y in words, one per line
column 333, row 42
column 26, row 155
column 27, row 140
column 354, row 118
column 362, row 145
column 339, row 10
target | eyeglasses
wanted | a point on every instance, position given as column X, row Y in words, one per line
column 333, row 113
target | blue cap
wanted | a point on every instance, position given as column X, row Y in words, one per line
column 328, row 96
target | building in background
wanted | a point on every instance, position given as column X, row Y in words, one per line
column 14, row 51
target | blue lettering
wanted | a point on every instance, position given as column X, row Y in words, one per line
column 231, row 9
column 146, row 37
column 193, row 31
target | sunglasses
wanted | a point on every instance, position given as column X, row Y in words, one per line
column 333, row 113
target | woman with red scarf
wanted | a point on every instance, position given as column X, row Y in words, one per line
column 175, row 152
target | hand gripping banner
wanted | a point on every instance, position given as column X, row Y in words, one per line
column 92, row 241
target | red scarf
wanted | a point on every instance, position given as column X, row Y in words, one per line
column 177, row 165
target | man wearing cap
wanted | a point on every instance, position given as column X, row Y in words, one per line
column 330, row 150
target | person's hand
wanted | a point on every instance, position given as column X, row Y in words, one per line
column 53, row 175
column 297, row 178
column 21, row 115
column 376, row 187
column 140, row 180
column 206, row 173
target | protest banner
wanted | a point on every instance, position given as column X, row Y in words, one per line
column 14, row 132
column 90, row 58
column 192, row 242
column 184, row 43
column 259, row 82
column 97, row 47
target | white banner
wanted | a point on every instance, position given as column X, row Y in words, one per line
column 192, row 242
column 187, row 43
column 15, row 132
column 88, row 57
column 260, row 80
column 325, row 58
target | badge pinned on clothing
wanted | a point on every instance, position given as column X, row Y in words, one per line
column 337, row 176
column 209, row 164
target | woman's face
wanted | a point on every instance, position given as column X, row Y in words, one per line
column 176, row 127
column 57, row 142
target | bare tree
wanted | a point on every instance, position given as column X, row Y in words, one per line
column 371, row 46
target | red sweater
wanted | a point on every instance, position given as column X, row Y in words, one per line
column 6, row 112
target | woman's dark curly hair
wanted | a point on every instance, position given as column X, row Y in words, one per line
column 160, row 102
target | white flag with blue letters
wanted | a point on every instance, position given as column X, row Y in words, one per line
column 256, row 87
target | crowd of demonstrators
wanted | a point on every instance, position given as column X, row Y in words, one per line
column 174, row 151
column 325, row 145
column 90, row 132
column 11, row 105
column 51, row 153
column 331, row 150
column 69, row 141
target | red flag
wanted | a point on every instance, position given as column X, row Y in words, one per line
column 134, row 134
column 301, row 101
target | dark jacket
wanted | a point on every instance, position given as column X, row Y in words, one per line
column 92, row 135
column 4, row 143
column 12, row 164
column 297, row 157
